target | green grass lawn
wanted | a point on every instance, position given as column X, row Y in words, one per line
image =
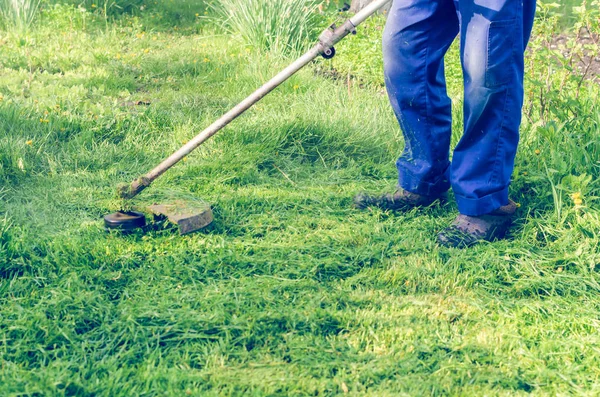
column 290, row 291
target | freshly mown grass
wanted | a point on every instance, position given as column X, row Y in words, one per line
column 290, row 291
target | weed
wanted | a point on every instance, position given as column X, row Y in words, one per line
column 18, row 14
column 279, row 26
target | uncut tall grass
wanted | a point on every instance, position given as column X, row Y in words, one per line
column 18, row 14
column 282, row 26
column 107, row 6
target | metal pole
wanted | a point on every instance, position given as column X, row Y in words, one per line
column 327, row 40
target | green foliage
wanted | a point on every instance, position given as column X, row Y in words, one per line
column 290, row 291
column 561, row 110
column 106, row 7
column 18, row 15
column 279, row 26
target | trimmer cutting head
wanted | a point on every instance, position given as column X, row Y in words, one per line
column 126, row 221
column 188, row 217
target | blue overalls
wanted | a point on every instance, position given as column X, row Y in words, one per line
column 493, row 37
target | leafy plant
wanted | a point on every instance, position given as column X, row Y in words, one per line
column 561, row 112
column 281, row 26
column 18, row 14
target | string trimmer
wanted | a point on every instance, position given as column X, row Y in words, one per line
column 190, row 219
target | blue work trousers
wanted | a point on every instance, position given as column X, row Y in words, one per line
column 493, row 37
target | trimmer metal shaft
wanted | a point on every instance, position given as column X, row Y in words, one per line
column 324, row 47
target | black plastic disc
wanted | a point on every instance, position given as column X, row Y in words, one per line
column 328, row 53
column 125, row 221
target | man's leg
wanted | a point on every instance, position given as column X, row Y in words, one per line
column 494, row 34
column 417, row 35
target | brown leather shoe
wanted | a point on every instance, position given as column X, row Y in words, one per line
column 399, row 200
column 466, row 231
